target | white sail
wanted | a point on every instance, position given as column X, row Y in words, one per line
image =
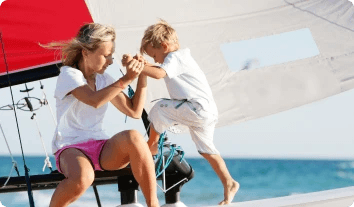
column 205, row 25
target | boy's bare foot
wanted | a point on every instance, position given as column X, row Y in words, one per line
column 229, row 192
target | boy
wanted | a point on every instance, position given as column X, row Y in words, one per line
column 191, row 105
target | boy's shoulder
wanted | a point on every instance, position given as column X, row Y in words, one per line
column 181, row 52
column 180, row 55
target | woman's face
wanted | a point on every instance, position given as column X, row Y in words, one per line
column 98, row 60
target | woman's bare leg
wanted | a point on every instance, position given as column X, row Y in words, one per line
column 79, row 176
column 230, row 185
column 130, row 147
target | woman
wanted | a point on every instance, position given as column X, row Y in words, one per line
column 82, row 93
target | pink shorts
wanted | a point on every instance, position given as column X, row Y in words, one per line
column 92, row 149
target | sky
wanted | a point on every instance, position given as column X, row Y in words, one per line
column 320, row 130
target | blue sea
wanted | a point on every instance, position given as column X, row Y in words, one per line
column 259, row 179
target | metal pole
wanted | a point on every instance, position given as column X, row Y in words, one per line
column 28, row 180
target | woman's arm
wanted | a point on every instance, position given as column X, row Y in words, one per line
column 98, row 98
column 132, row 107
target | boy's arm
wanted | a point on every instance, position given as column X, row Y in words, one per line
column 151, row 70
column 154, row 71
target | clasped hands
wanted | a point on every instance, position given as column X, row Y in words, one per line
column 134, row 65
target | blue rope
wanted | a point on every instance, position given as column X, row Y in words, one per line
column 173, row 150
column 130, row 94
column 160, row 154
column 182, row 153
column 130, row 90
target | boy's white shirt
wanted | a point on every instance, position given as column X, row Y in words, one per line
column 185, row 80
column 77, row 121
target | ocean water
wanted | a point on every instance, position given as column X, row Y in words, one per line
column 259, row 179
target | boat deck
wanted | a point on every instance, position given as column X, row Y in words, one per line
column 341, row 197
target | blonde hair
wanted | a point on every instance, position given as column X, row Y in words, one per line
column 89, row 37
column 157, row 34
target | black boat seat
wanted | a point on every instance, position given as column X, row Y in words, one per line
column 50, row 181
column 177, row 173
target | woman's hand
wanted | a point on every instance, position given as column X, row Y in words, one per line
column 134, row 68
column 132, row 107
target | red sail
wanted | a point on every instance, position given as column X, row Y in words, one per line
column 24, row 24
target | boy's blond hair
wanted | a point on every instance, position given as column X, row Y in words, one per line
column 157, row 34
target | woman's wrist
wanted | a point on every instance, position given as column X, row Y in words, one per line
column 120, row 84
column 123, row 82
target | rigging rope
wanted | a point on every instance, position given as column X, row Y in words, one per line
column 8, row 147
column 28, row 181
column 46, row 161
column 47, row 103
column 14, row 163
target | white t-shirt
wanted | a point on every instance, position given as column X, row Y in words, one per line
column 185, row 80
column 77, row 121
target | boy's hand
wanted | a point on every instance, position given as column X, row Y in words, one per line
column 140, row 58
column 126, row 59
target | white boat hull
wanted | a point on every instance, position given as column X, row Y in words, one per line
column 178, row 204
column 342, row 197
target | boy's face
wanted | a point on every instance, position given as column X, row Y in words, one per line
column 158, row 54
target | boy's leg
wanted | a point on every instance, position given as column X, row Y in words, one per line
column 161, row 116
column 230, row 185
column 203, row 138
column 153, row 140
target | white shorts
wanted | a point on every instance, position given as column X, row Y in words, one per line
column 188, row 116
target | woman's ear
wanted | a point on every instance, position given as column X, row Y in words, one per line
column 84, row 53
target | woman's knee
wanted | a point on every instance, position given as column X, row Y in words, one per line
column 80, row 183
column 78, row 172
column 129, row 139
column 133, row 136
